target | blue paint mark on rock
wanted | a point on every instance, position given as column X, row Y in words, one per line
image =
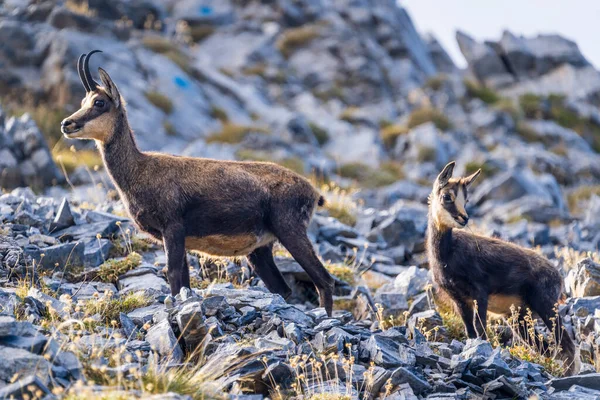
column 181, row 82
column 205, row 10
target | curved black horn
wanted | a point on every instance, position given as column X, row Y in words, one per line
column 86, row 69
column 81, row 73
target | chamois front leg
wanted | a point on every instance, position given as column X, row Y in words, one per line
column 174, row 242
column 465, row 310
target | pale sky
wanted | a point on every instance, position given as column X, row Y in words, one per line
column 578, row 20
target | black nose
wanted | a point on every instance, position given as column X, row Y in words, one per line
column 66, row 122
column 465, row 218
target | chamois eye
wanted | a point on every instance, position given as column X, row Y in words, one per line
column 99, row 103
column 447, row 198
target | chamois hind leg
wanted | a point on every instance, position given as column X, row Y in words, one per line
column 544, row 306
column 481, row 317
column 263, row 264
column 295, row 240
column 178, row 272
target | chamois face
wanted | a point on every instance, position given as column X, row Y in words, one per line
column 99, row 108
column 94, row 120
column 449, row 199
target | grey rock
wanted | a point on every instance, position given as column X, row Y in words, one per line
column 103, row 228
column 64, row 218
column 34, row 344
column 590, row 381
column 128, row 325
column 57, row 306
column 61, row 257
column 96, row 251
column 403, row 375
column 146, row 281
column 212, row 305
column 144, row 314
column 31, row 386
column 412, row 281
column 428, row 321
column 586, row 279
column 192, row 326
column 24, row 363
column 496, row 363
column 384, row 350
column 274, row 341
column 584, row 306
column 163, row 340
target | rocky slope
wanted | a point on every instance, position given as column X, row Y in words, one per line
column 347, row 92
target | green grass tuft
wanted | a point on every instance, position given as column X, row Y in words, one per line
column 321, row 134
column 487, row 170
column 219, row 113
column 112, row 269
column 477, row 91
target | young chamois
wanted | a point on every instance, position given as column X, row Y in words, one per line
column 488, row 274
column 223, row 208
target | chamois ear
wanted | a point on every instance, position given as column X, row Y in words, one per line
column 445, row 175
column 111, row 88
column 469, row 179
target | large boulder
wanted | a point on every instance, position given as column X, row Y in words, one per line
column 25, row 158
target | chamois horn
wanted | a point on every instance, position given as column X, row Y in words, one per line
column 91, row 83
column 81, row 73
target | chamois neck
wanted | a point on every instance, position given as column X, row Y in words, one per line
column 439, row 238
column 120, row 153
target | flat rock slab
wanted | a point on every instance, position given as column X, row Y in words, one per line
column 590, row 381
column 148, row 282
column 24, row 363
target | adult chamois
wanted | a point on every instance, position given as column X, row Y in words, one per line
column 223, row 208
column 482, row 274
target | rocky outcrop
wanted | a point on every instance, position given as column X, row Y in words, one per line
column 544, row 64
column 25, row 159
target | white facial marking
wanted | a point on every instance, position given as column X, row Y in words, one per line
column 461, row 201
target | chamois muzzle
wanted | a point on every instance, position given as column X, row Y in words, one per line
column 462, row 220
column 68, row 127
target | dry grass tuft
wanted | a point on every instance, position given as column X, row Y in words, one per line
column 108, row 307
column 340, row 204
column 169, row 49
column 343, row 272
column 160, row 101
column 390, row 133
column 366, row 176
column 295, row 38
column 72, row 158
column 580, row 195
column 232, row 133
column 426, row 114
